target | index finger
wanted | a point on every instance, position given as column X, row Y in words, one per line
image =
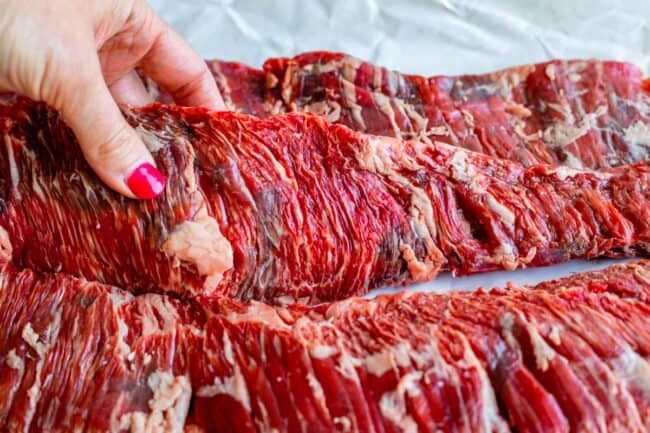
column 174, row 65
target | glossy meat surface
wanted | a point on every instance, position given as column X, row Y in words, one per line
column 576, row 113
column 566, row 356
column 294, row 208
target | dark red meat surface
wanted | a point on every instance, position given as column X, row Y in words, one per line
column 294, row 208
column 566, row 356
column 577, row 113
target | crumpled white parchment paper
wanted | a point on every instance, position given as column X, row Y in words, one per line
column 427, row 37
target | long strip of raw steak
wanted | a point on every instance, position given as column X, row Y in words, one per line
column 567, row 356
column 294, row 206
column 578, row 113
column 582, row 114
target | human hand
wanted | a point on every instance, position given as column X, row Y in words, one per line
column 78, row 56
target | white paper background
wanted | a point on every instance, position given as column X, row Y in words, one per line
column 425, row 37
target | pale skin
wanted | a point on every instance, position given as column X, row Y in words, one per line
column 79, row 56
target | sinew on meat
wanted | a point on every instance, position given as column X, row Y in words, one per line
column 294, row 208
column 567, row 355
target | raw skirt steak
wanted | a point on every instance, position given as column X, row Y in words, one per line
column 294, row 208
column 569, row 355
column 581, row 114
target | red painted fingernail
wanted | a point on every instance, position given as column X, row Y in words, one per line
column 146, row 182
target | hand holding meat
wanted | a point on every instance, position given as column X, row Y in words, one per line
column 79, row 57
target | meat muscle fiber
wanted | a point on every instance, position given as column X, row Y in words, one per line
column 567, row 356
column 294, row 208
column 583, row 114
column 577, row 113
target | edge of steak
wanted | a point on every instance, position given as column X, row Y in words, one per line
column 576, row 113
column 566, row 355
column 309, row 211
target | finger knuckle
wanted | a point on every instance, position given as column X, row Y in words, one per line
column 116, row 147
column 194, row 83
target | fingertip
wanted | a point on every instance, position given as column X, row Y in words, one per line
column 174, row 65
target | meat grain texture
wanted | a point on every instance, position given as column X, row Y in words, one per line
column 576, row 113
column 529, row 166
column 569, row 355
column 294, row 208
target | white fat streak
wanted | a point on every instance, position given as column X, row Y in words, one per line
column 506, row 215
column 382, row 155
column 419, row 270
column 158, row 315
column 468, row 118
column 377, row 76
column 389, row 358
column 36, row 186
column 489, row 88
column 169, row 406
column 463, row 171
column 555, row 334
column 563, row 172
column 384, row 104
column 233, row 385
column 641, row 272
column 350, row 95
column 542, row 351
column 318, row 392
column 323, row 352
column 374, row 156
column 395, row 81
column 201, row 243
column 6, row 249
column 290, row 76
column 517, row 109
column 419, row 121
column 343, row 422
column 507, row 321
column 438, row 130
column 171, row 398
column 561, row 135
column 637, row 138
column 635, row 370
column 14, row 361
column 13, row 167
column 492, row 421
column 422, row 214
column 574, row 78
column 571, row 161
column 346, row 365
column 519, row 126
column 331, row 110
column 349, row 68
column 393, row 403
column 504, row 255
column 150, row 139
column 30, row 336
column 550, row 71
column 259, row 312
column 118, row 298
